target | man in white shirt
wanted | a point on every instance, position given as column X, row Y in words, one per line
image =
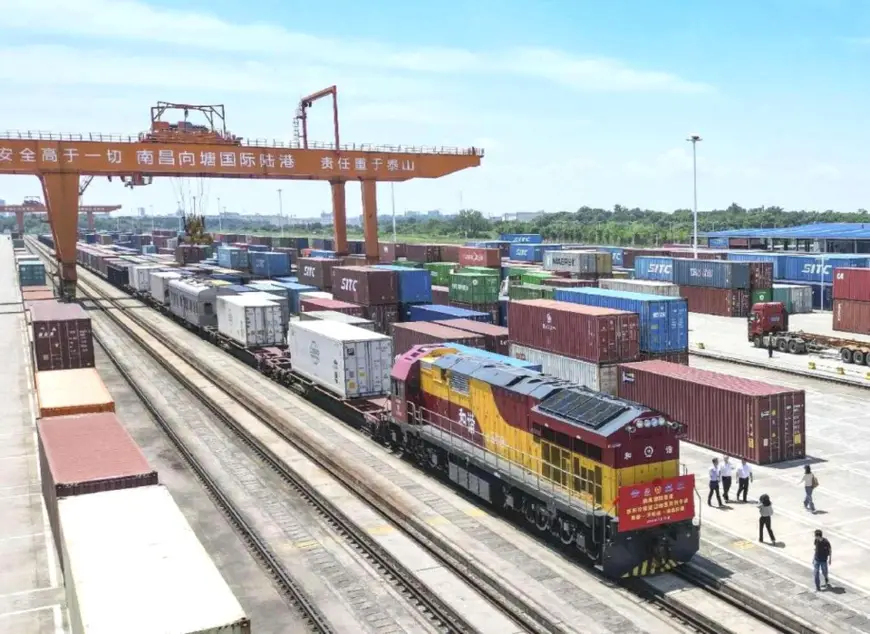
column 714, row 483
column 725, row 472
column 744, row 477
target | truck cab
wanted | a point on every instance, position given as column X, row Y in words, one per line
column 767, row 318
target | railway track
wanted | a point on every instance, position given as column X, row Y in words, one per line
column 684, row 612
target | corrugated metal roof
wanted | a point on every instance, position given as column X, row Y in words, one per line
column 829, row 230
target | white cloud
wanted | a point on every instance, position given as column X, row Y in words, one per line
column 136, row 22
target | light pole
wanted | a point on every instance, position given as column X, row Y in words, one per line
column 219, row 213
column 393, row 200
column 280, row 212
column 693, row 139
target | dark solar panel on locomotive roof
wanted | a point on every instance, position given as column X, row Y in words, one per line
column 583, row 407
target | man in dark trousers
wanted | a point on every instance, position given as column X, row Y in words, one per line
column 770, row 346
column 714, row 483
column 821, row 559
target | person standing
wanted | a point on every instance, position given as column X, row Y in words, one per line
column 770, row 346
column 821, row 559
column 714, row 483
column 744, row 477
column 765, row 515
column 725, row 473
column 810, row 482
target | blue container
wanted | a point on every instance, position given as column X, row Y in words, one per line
column 238, row 288
column 258, row 248
column 664, row 321
column 232, row 258
column 492, row 356
column 31, row 273
column 503, row 311
column 415, row 285
column 616, row 253
column 293, row 290
column 773, row 258
column 711, row 273
column 291, row 279
column 148, row 249
column 405, row 310
column 816, row 268
column 526, row 238
column 91, row 238
column 653, row 267
column 270, row 263
column 822, row 294
column 327, row 244
column 436, row 312
column 531, row 252
column 718, row 243
column 228, row 277
column 322, row 253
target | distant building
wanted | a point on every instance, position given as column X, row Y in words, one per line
column 522, row 216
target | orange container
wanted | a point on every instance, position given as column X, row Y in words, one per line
column 32, row 296
column 69, row 392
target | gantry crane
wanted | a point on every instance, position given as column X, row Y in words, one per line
column 32, row 204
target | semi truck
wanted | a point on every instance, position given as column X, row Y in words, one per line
column 768, row 321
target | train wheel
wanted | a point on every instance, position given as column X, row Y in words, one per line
column 567, row 532
column 530, row 511
column 543, row 519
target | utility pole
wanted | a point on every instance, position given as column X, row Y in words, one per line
column 280, row 212
column 219, row 213
column 393, row 200
column 693, row 139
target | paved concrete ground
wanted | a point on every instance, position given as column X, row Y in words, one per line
column 837, row 418
column 31, row 586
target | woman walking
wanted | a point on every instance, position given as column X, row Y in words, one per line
column 765, row 513
column 810, row 482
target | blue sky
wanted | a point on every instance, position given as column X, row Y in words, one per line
column 583, row 102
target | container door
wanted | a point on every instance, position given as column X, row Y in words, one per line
column 355, row 374
column 251, row 333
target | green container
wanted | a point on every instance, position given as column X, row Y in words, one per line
column 409, row 264
column 530, row 291
column 480, row 270
column 535, row 277
column 441, row 272
column 474, row 288
column 761, row 295
column 516, row 272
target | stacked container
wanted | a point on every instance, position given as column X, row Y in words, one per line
column 414, row 286
column 440, row 272
column 250, row 320
column 31, row 273
column 293, row 291
column 270, row 264
column 656, row 268
column 495, row 338
column 437, row 312
column 416, row 333
column 71, row 392
column 309, row 304
column 651, row 287
column 852, row 300
column 795, row 297
column 62, row 336
column 423, row 252
column 334, row 315
column 316, row 272
column 714, row 287
column 479, row 256
column 375, row 289
column 589, row 264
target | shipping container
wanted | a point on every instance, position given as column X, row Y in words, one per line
column 760, row 296
column 416, row 333
column 520, row 252
column 773, row 258
column 70, row 392
column 62, row 336
column 423, row 252
column 670, row 357
column 314, row 295
column 132, row 563
column 530, row 291
column 503, row 311
column 294, row 289
column 797, row 298
column 414, row 285
column 316, row 271
column 448, row 253
column 323, row 303
column 651, row 287
column 383, row 316
column 601, row 378
column 495, row 338
column 535, row 276
column 716, row 301
column 474, row 288
column 852, row 284
column 816, row 269
column 334, row 315
column 590, row 333
column 578, row 262
column 437, row 312
column 852, row 316
column 656, row 268
column 711, row 273
column 270, row 264
column 195, row 301
column 491, row 310
column 440, row 295
column 760, row 275
column 140, row 276
column 31, row 273
column 491, row 356
column 348, row 361
column 440, row 272
column 118, row 273
column 86, row 454
column 616, row 254
column 233, row 258
column 478, row 256
column 629, row 254
column 251, row 322
column 269, row 286
column 390, row 251
column 742, row 418
column 363, row 285
column 281, row 300
column 159, row 285
column 663, row 321
column 522, row 238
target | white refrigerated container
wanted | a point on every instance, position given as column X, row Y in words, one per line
column 250, row 321
column 334, row 315
column 140, row 276
column 601, row 378
column 346, row 360
column 650, row 287
column 160, row 285
column 132, row 564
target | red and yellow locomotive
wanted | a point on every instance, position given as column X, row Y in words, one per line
column 599, row 473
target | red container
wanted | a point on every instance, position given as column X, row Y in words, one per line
column 852, row 316
column 423, row 252
column 477, row 256
column 354, row 260
column 760, row 275
column 495, row 338
column 449, row 253
column 703, row 254
column 566, row 282
column 762, row 423
column 316, row 271
column 317, row 303
column 383, row 316
column 62, row 336
column 28, row 295
column 725, row 302
column 492, row 309
column 416, row 333
column 589, row 333
column 671, row 357
column 852, row 284
column 86, row 454
column 629, row 254
column 441, row 295
column 365, row 285
column 391, row 251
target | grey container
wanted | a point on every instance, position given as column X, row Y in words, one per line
column 334, row 315
column 711, row 273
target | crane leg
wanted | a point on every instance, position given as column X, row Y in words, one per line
column 370, row 220
column 339, row 217
column 90, row 221
column 19, row 220
column 61, row 193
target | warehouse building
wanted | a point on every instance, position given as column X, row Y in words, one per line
column 835, row 237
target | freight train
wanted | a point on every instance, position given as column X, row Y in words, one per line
column 598, row 474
